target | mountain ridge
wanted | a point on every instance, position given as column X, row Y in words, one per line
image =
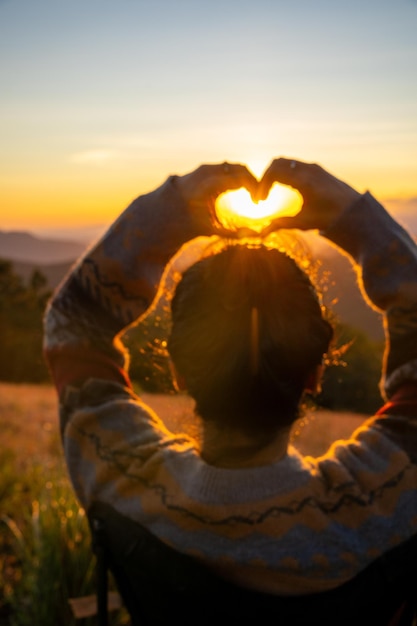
column 23, row 246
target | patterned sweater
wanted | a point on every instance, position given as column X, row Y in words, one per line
column 299, row 525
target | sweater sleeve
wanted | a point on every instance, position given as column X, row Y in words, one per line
column 112, row 286
column 386, row 264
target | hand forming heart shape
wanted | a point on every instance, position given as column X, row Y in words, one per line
column 317, row 197
column 236, row 209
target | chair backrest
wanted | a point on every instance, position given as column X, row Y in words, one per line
column 158, row 584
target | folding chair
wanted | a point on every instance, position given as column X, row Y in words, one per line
column 158, row 584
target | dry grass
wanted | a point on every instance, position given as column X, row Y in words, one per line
column 29, row 422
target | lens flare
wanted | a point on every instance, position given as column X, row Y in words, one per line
column 236, row 209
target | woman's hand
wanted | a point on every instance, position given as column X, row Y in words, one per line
column 200, row 189
column 325, row 197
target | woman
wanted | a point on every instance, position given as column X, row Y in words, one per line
column 248, row 340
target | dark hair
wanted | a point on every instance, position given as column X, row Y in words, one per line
column 247, row 332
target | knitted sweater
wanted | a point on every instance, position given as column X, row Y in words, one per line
column 299, row 525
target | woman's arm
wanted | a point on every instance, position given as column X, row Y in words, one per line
column 115, row 283
column 386, row 258
column 384, row 253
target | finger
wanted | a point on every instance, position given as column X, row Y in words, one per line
column 216, row 179
column 231, row 176
column 275, row 173
column 286, row 171
column 298, row 222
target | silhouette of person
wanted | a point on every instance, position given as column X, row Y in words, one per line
column 249, row 336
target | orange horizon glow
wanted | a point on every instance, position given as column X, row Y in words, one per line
column 236, row 209
column 85, row 198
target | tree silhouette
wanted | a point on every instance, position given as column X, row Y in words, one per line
column 21, row 311
column 352, row 383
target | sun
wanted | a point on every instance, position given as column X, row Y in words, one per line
column 236, row 209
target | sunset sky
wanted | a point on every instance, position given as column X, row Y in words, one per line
column 102, row 99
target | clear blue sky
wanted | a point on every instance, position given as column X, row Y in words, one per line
column 101, row 99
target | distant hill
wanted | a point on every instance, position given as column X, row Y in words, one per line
column 23, row 246
column 80, row 234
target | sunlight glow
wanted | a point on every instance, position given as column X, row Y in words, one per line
column 236, row 209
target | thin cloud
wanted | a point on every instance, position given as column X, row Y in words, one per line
column 94, row 157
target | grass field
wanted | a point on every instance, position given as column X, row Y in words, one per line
column 45, row 555
column 29, row 422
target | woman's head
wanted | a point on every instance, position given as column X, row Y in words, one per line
column 247, row 334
